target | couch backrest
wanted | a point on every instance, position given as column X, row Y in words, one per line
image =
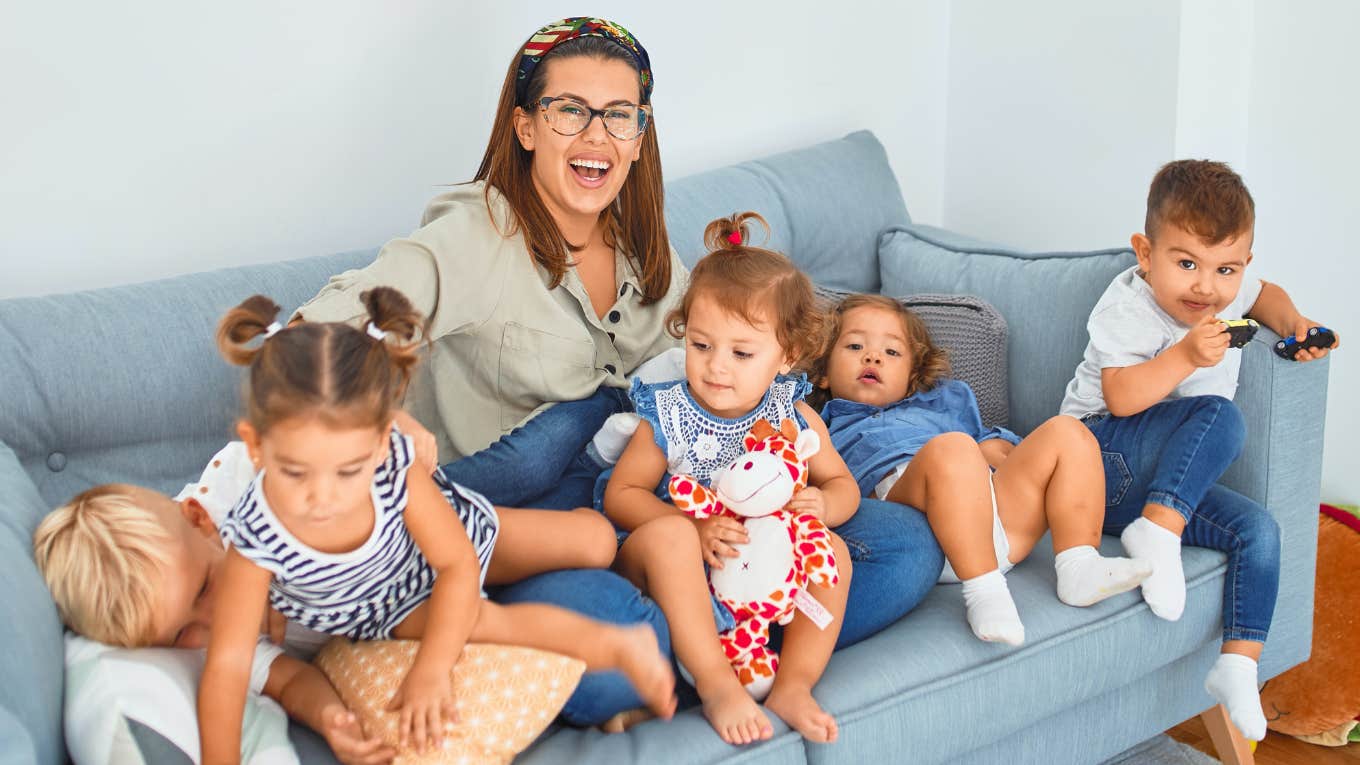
column 826, row 205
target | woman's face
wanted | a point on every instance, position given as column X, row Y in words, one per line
column 578, row 176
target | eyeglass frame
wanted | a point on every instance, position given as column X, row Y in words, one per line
column 645, row 110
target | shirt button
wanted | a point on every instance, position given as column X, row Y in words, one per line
column 609, row 368
column 614, row 317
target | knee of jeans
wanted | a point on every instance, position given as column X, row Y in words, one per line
column 1229, row 426
column 1260, row 535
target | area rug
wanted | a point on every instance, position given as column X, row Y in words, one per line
column 1161, row 750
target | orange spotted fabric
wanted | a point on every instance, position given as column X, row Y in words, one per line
column 505, row 695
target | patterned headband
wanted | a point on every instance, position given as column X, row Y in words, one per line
column 569, row 29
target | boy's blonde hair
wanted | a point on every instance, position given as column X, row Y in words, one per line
column 103, row 555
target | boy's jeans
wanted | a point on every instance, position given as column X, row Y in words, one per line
column 1172, row 454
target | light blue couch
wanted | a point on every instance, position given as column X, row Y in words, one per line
column 124, row 384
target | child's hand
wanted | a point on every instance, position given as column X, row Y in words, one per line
column 427, row 451
column 811, row 501
column 716, row 537
column 1205, row 343
column 342, row 731
column 1301, row 326
column 425, row 700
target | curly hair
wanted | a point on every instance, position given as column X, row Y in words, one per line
column 929, row 362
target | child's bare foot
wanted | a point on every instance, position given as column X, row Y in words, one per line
column 795, row 706
column 639, row 658
column 625, row 720
column 732, row 712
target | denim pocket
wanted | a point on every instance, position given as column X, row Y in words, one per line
column 1117, row 477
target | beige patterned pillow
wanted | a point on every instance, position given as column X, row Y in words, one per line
column 505, row 695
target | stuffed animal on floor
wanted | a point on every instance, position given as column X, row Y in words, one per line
column 1319, row 699
column 786, row 553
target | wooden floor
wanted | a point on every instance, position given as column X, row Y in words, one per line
column 1277, row 749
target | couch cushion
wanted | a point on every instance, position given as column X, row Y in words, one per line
column 1045, row 298
column 826, row 205
column 895, row 693
column 125, row 383
column 30, row 630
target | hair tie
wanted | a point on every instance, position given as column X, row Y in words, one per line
column 735, row 237
column 375, row 333
column 272, row 329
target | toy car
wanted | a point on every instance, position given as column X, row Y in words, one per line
column 1318, row 337
column 1240, row 331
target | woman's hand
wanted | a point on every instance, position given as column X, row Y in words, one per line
column 427, row 451
column 346, row 737
column 716, row 537
column 425, row 700
column 811, row 501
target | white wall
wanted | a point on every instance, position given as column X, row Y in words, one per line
column 161, row 138
column 1060, row 112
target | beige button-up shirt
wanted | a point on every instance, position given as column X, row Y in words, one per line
column 503, row 345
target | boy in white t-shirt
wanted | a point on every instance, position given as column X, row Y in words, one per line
column 1155, row 388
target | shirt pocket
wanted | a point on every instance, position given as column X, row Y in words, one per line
column 538, row 366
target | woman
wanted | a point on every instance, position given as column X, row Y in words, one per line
column 545, row 280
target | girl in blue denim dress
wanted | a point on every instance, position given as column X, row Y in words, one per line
column 747, row 315
column 910, row 435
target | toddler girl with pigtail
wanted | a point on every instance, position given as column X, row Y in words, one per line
column 748, row 314
column 344, row 533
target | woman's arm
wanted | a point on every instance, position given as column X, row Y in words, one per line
column 629, row 498
column 832, row 493
column 243, row 592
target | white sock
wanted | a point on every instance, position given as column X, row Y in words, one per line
column 614, row 435
column 1164, row 589
column 991, row 612
column 1232, row 682
column 1086, row 577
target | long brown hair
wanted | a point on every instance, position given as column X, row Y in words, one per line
column 345, row 376
column 636, row 218
column 752, row 282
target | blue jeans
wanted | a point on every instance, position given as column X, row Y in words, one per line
column 896, row 563
column 544, row 464
column 1172, row 454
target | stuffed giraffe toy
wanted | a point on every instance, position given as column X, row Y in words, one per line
column 787, row 551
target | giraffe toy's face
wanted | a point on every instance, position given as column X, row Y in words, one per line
column 768, row 475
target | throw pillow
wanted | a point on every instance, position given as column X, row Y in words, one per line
column 505, row 695
column 112, row 691
column 1045, row 298
column 974, row 333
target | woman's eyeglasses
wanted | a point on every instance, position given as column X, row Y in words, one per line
column 567, row 116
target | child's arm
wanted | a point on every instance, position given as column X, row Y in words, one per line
column 309, row 697
column 426, row 694
column 1274, row 309
column 243, row 591
column 1132, row 389
column 630, row 499
column 832, row 494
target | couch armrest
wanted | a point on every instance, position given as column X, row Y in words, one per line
column 1284, row 403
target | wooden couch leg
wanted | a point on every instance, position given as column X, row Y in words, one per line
column 1232, row 747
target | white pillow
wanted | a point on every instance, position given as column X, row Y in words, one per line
column 158, row 687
